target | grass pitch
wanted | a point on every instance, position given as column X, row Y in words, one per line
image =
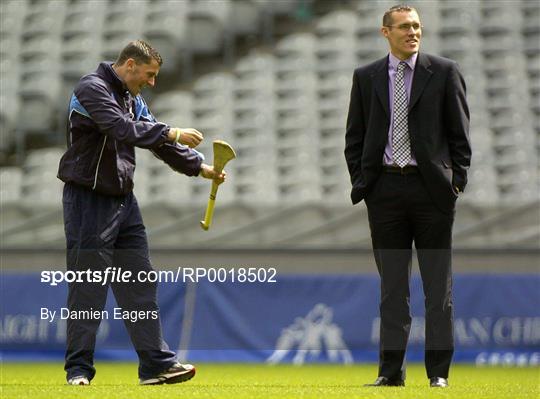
column 253, row 381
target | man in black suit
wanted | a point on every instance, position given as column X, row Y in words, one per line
column 408, row 151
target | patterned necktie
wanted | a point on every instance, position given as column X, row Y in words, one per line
column 401, row 145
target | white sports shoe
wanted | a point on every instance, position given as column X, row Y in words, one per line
column 79, row 380
column 173, row 375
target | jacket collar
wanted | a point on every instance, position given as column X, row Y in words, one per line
column 380, row 82
column 422, row 73
column 106, row 71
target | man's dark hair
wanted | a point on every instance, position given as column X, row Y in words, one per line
column 387, row 18
column 140, row 51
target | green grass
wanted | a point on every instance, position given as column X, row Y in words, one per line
column 119, row 380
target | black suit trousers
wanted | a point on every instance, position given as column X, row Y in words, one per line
column 401, row 211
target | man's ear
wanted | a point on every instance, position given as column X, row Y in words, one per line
column 130, row 64
column 384, row 31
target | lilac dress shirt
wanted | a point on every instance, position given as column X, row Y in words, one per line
column 393, row 62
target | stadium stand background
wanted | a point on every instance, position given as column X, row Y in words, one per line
column 273, row 79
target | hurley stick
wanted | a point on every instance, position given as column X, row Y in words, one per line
column 223, row 153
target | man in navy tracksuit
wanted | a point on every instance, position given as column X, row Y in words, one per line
column 103, row 225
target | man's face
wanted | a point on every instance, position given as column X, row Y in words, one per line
column 404, row 34
column 138, row 76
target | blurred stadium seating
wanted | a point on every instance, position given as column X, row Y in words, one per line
column 282, row 105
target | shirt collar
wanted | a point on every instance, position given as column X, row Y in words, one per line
column 393, row 61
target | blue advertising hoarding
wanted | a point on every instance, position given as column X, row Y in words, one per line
column 298, row 319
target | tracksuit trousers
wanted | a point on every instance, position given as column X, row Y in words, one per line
column 106, row 231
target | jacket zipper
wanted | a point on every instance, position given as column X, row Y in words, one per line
column 98, row 162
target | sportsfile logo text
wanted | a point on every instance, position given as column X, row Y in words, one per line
column 180, row 275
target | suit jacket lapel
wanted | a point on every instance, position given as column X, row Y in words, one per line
column 380, row 82
column 421, row 76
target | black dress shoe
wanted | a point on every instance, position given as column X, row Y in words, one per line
column 438, row 382
column 386, row 382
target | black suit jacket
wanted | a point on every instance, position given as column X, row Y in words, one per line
column 438, row 127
